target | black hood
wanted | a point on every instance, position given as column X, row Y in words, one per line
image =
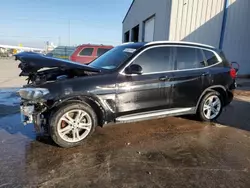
column 32, row 62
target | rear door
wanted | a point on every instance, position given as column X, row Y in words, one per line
column 149, row 91
column 189, row 78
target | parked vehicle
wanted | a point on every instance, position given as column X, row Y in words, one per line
column 88, row 52
column 131, row 82
column 62, row 52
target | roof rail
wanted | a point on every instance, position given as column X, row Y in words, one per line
column 179, row 42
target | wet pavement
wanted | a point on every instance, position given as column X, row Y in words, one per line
column 169, row 152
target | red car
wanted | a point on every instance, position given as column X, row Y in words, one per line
column 88, row 52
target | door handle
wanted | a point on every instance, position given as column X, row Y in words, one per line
column 163, row 78
column 205, row 73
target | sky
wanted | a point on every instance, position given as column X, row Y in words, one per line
column 65, row 22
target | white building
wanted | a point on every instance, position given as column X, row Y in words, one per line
column 224, row 24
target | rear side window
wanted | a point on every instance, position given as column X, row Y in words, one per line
column 156, row 60
column 189, row 58
column 101, row 51
column 86, row 52
column 210, row 57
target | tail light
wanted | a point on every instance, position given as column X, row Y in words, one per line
column 233, row 73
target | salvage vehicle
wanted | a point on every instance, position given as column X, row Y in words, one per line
column 131, row 82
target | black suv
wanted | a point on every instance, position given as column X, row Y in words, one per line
column 131, row 82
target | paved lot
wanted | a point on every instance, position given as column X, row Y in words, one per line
column 9, row 74
column 169, row 152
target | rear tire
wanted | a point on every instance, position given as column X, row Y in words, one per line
column 210, row 107
column 73, row 123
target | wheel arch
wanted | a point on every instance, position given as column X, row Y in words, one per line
column 219, row 88
column 90, row 100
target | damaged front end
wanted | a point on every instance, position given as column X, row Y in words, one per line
column 42, row 71
column 33, row 108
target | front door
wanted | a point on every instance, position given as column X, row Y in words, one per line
column 189, row 77
column 149, row 91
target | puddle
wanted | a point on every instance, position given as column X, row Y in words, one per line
column 9, row 97
column 13, row 125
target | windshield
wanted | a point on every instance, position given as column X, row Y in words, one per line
column 114, row 57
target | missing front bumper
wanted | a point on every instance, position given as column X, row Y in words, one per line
column 31, row 114
column 27, row 113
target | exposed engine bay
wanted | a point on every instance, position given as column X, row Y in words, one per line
column 52, row 74
column 39, row 68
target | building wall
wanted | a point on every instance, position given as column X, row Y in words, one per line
column 197, row 21
column 202, row 21
column 141, row 10
column 236, row 44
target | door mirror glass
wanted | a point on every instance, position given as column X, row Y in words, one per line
column 134, row 69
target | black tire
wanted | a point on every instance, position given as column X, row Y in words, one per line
column 55, row 117
column 200, row 112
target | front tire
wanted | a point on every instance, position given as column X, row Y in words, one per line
column 71, row 124
column 210, row 107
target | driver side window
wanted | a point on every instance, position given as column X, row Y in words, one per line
column 158, row 59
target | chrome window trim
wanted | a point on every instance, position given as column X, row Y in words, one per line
column 180, row 42
column 171, row 45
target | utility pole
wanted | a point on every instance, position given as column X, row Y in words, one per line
column 59, row 41
column 69, row 31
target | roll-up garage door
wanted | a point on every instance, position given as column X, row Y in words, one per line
column 149, row 28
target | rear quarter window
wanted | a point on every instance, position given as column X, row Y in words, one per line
column 210, row 57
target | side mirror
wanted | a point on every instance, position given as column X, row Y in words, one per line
column 134, row 69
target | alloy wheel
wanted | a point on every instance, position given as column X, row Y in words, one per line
column 74, row 125
column 212, row 107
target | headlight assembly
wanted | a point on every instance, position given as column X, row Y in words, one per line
column 33, row 93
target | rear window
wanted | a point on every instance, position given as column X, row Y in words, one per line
column 86, row 52
column 101, row 51
column 210, row 57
